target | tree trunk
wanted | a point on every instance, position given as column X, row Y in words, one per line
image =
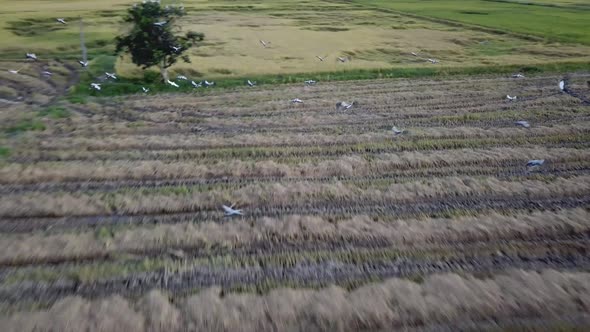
column 164, row 72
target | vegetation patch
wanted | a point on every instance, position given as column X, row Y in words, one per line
column 26, row 125
column 55, row 112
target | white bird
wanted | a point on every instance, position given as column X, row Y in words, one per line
column 145, row 90
column 562, row 85
column 46, row 73
column 83, row 63
column 176, row 48
column 511, row 98
column 62, row 21
column 31, row 56
column 13, row 71
column 321, row 58
column 111, row 75
column 341, row 59
column 342, row 105
column 172, row 83
column 396, row 131
column 181, row 77
column 519, row 75
column 264, row 44
column 230, row 211
column 196, row 85
column 414, row 54
column 207, row 83
column 95, row 86
column 535, row 162
column 160, row 24
column 524, row 124
column 297, row 101
column 310, row 82
column 432, row 61
column 250, row 83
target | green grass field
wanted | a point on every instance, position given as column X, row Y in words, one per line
column 562, row 20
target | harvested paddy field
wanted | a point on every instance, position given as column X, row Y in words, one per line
column 111, row 213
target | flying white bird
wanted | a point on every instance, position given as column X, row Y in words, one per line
column 511, row 98
column 172, row 83
column 396, row 131
column 145, row 90
column 310, row 82
column 83, row 63
column 524, row 124
column 181, row 77
column 341, row 59
column 95, row 86
column 176, row 48
column 562, row 85
column 264, row 44
column 297, row 101
column 432, row 61
column 207, row 83
column 46, row 73
column 519, row 75
column 250, row 83
column 31, row 56
column 230, row 211
column 342, row 105
column 61, row 20
column 535, row 162
column 321, row 58
column 12, row 71
column 196, row 85
column 414, row 54
column 111, row 75
column 160, row 24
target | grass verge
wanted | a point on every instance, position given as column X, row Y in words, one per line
column 125, row 86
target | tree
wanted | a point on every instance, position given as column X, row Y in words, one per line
column 151, row 40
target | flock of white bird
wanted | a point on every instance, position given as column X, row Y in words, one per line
column 340, row 106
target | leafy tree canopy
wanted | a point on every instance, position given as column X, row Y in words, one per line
column 154, row 38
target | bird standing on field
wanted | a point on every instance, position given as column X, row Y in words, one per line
column 342, row 105
column 396, row 131
column 562, row 85
column 523, row 124
column 535, row 162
